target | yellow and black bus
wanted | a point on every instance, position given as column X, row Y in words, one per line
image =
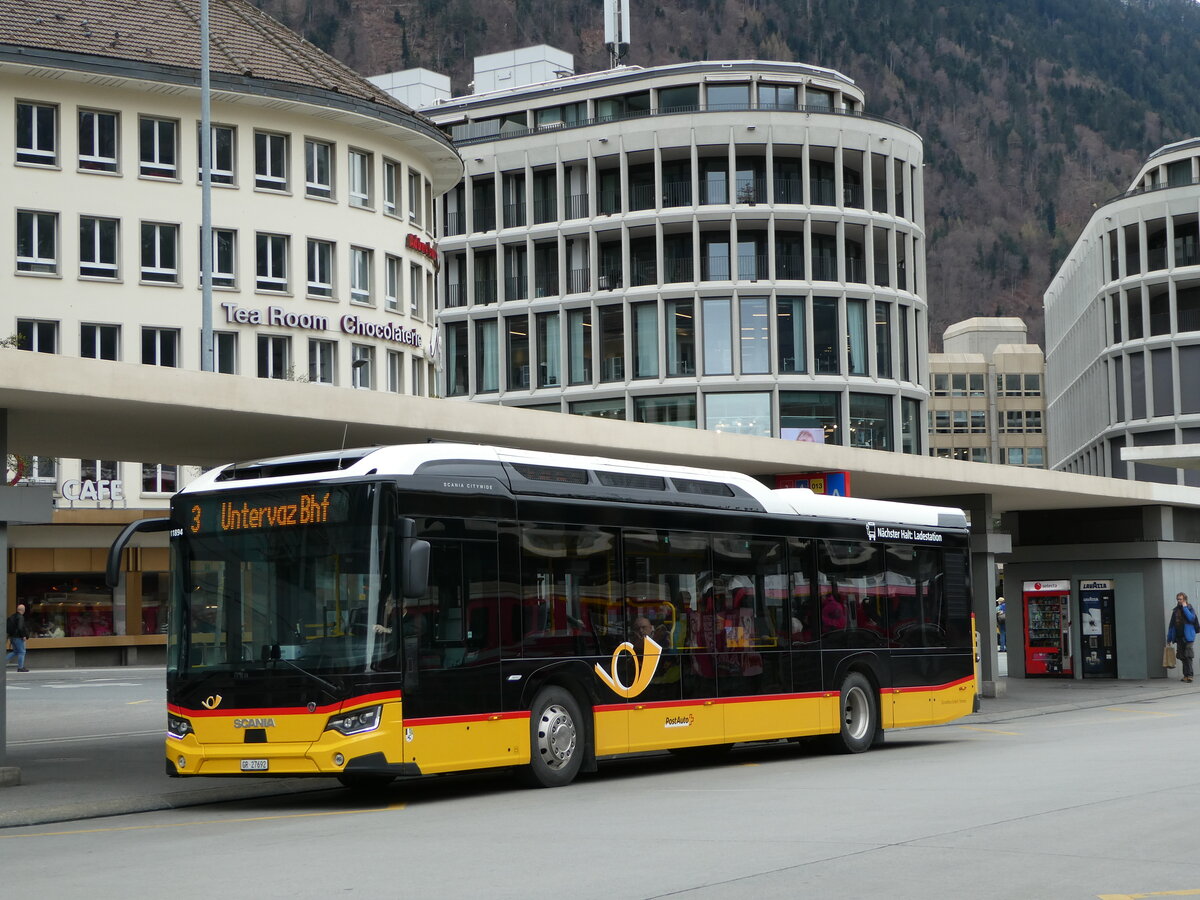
column 408, row 610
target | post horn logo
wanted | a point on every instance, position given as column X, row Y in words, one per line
column 212, row 701
column 643, row 669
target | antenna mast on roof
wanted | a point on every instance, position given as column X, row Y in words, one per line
column 616, row 30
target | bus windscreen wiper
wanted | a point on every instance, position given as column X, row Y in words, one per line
column 276, row 656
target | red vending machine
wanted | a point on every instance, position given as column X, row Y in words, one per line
column 1047, row 623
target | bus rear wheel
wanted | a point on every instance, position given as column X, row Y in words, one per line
column 556, row 739
column 859, row 715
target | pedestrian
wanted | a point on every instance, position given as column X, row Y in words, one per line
column 18, row 630
column 1181, row 631
column 1001, row 628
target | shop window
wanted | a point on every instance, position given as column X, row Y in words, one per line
column 66, row 604
column 155, row 600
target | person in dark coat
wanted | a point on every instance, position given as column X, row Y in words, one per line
column 18, row 631
column 1181, row 631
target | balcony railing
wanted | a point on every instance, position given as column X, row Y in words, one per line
column 821, row 191
column 645, row 271
column 677, row 193
column 579, row 281
column 824, row 268
column 577, row 206
column 516, row 287
column 484, row 218
column 514, row 215
column 641, row 196
column 881, row 274
column 678, row 269
column 789, row 267
column 610, row 278
column 852, row 195
column 485, row 292
column 715, row 269
column 456, row 223
column 485, row 131
column 545, row 284
column 856, row 270
column 608, row 203
column 750, row 190
column 752, row 267
column 456, row 295
column 879, row 200
column 789, row 190
column 544, row 210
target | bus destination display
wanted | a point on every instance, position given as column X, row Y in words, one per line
column 290, row 510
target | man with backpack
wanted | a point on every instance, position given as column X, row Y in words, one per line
column 18, row 631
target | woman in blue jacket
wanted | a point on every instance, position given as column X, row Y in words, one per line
column 1182, row 631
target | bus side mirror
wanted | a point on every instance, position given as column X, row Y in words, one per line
column 416, row 568
column 112, row 571
column 414, row 561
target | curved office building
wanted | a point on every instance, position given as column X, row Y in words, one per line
column 726, row 245
column 1123, row 326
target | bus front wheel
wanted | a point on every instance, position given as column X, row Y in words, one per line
column 556, row 739
column 859, row 715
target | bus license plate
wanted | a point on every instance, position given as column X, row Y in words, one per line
column 254, row 765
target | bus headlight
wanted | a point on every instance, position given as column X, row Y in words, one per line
column 357, row 722
column 178, row 727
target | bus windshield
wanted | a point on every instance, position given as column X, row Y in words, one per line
column 287, row 578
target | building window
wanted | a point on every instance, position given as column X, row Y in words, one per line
column 755, row 336
column 360, row 178
column 826, row 356
column 458, row 359
column 97, row 247
column 1033, row 385
column 97, row 141
column 487, row 377
column 679, row 410
column 738, row 413
column 1014, row 456
column 941, row 421
column 414, row 197
column 271, row 262
column 160, row 347
column 223, row 152
column 159, row 479
column 224, row 257
column 395, row 371
column 790, row 327
column 225, row 349
column 718, row 339
column 37, row 139
column 322, row 362
column 362, row 366
column 42, row 470
column 160, row 259
column 549, row 349
column 270, row 161
column 156, row 147
column 1033, row 421
column 810, row 416
column 681, row 337
column 318, row 170
column 360, row 275
column 38, row 336
column 37, row 242
column 99, row 341
column 320, row 269
column 978, row 421
column 416, row 278
column 274, row 356
column 391, row 186
column 417, row 382
column 98, row 470
column 393, row 266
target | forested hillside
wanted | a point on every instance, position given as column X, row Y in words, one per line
column 1032, row 110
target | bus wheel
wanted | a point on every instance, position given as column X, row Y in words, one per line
column 556, row 739
column 365, row 784
column 859, row 715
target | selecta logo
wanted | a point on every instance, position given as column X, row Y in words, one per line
column 643, row 669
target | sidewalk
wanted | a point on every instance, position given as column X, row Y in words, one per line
column 69, row 779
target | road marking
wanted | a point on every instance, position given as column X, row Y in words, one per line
column 85, row 737
column 1142, row 712
column 988, row 730
column 136, row 702
column 391, row 807
column 1188, row 893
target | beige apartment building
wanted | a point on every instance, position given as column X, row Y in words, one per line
column 988, row 401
